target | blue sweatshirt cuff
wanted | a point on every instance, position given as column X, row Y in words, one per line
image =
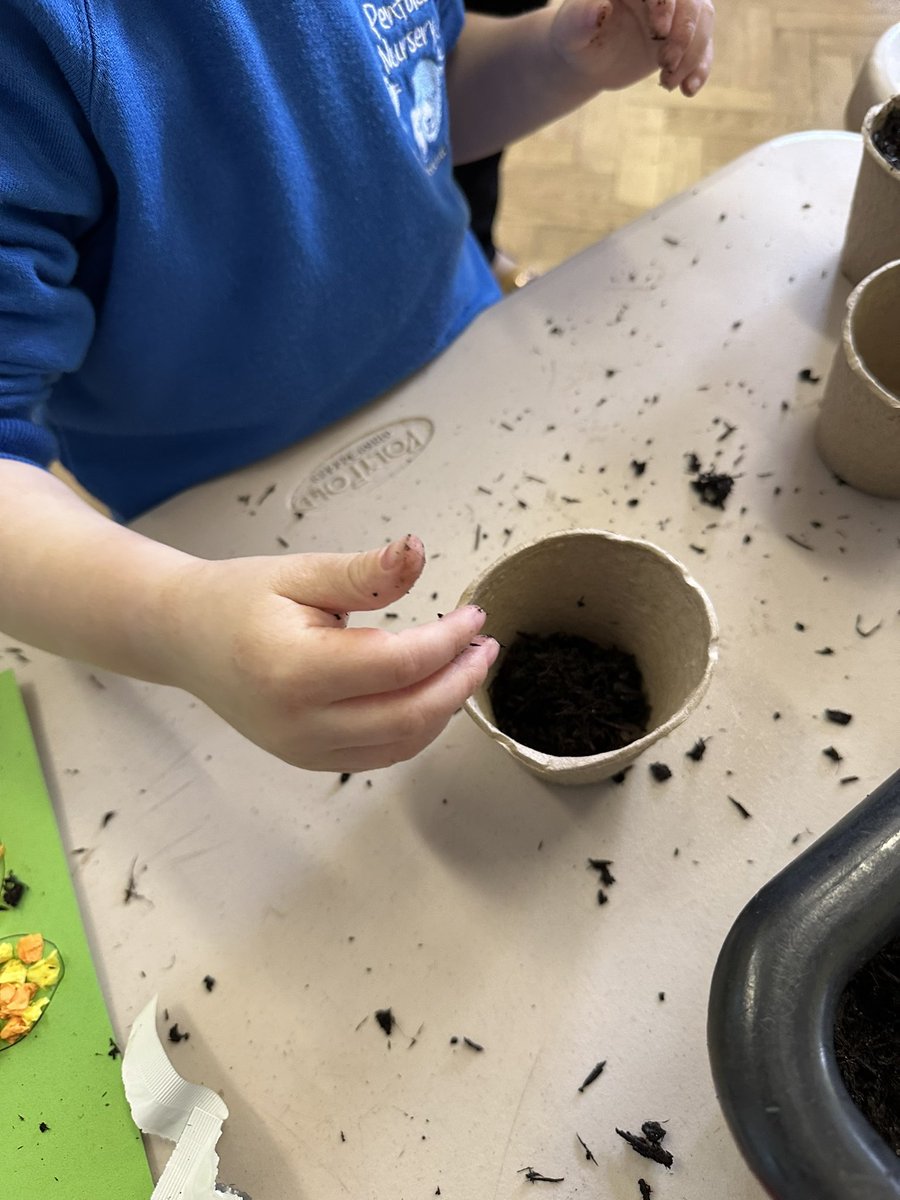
column 25, row 442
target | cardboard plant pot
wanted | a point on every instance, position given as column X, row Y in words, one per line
column 773, row 1003
column 858, row 430
column 613, row 590
column 873, row 228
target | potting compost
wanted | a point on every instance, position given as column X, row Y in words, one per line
column 567, row 695
column 887, row 138
column 867, row 1041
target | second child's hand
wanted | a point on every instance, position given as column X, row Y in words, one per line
column 620, row 42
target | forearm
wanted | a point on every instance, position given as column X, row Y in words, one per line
column 504, row 80
column 79, row 585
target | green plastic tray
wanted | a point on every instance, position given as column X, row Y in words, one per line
column 61, row 1074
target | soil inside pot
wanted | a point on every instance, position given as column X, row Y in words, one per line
column 887, row 139
column 568, row 696
column 867, row 1041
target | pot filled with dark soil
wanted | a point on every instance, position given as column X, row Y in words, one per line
column 873, row 228
column 608, row 645
column 858, row 430
column 804, row 1016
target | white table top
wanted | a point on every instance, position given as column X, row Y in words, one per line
column 455, row 888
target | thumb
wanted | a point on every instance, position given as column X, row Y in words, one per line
column 361, row 582
column 579, row 23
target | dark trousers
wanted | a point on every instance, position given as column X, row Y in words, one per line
column 480, row 181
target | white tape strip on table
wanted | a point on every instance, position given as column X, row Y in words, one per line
column 164, row 1104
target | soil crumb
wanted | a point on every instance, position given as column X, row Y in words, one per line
column 887, row 139
column 867, row 1041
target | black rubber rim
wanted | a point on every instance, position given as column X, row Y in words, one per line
column 772, row 1005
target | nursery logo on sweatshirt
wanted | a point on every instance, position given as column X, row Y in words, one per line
column 408, row 41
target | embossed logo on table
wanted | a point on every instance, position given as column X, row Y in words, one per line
column 366, row 461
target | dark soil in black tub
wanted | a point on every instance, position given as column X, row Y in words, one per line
column 887, row 138
column 867, row 1041
column 565, row 695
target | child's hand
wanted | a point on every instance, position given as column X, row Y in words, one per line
column 263, row 642
column 619, row 42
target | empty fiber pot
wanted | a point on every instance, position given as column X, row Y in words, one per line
column 614, row 591
column 858, row 431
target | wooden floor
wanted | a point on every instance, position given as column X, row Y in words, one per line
column 781, row 66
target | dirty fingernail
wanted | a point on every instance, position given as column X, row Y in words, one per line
column 394, row 553
column 488, row 642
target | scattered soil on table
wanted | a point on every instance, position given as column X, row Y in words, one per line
column 386, row 1019
column 867, row 1041
column 887, row 139
column 593, row 1074
column 696, row 751
column 565, row 695
column 588, row 1153
column 713, row 488
column 534, row 1176
column 649, row 1142
column 837, row 716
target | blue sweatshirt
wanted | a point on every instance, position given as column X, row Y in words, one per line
column 223, row 224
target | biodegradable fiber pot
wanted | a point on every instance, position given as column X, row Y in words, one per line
column 858, row 431
column 614, row 590
column 873, row 229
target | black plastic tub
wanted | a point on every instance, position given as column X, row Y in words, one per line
column 772, row 1007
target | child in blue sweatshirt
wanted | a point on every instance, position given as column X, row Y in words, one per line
column 205, row 212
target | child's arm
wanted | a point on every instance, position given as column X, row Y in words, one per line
column 508, row 76
column 260, row 640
